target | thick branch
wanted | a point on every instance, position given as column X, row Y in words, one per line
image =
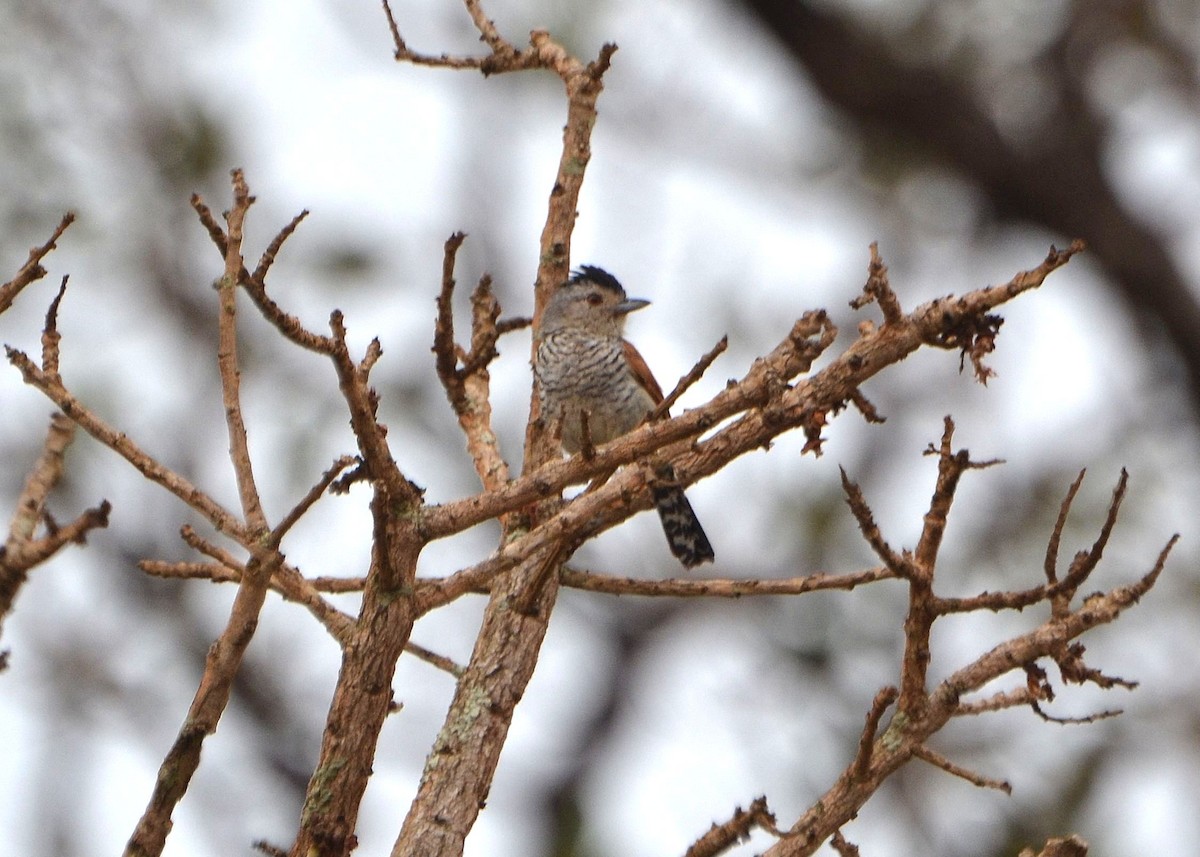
column 363, row 696
column 459, row 771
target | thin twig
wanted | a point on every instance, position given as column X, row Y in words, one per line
column 720, row 837
column 1064, row 509
column 434, row 659
column 227, row 360
column 879, row 290
column 338, row 585
column 469, row 388
column 517, row 322
column 314, row 494
column 51, row 338
column 288, row 325
column 22, row 550
column 843, row 846
column 504, row 56
column 268, row 257
column 866, row 741
column 693, row 375
column 866, row 408
column 354, row 381
column 444, row 349
column 900, row 566
column 32, row 270
column 939, row 761
column 1086, row 561
column 718, row 588
column 1001, row 701
column 1082, row 720
column 52, row 387
column 287, row 582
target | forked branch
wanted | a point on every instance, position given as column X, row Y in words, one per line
column 921, row 713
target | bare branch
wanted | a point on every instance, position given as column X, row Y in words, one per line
column 939, row 761
column 1075, row 721
column 338, row 584
column 866, row 742
column 50, row 335
column 268, row 257
column 921, row 714
column 52, row 387
column 997, row 702
column 314, row 494
column 469, row 388
column 227, row 360
column 354, row 380
column 1065, row 846
column 444, row 349
column 842, row 846
column 898, row 565
column 1086, row 561
column 691, row 377
column 721, row 837
column 255, row 285
column 866, row 408
column 434, row 659
column 22, row 550
column 508, row 325
column 32, row 270
column 974, row 333
column 225, row 655
column 287, row 582
column 879, row 290
column 717, row 588
column 504, row 56
column 1051, row 564
column 42, row 478
column 458, row 774
column 212, row 696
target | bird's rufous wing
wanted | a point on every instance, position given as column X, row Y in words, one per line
column 641, row 371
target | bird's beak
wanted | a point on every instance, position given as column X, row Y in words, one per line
column 629, row 305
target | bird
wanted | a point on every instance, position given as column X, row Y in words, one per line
column 585, row 365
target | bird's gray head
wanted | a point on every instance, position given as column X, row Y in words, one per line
column 592, row 301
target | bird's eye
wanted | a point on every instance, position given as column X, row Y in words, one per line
column 595, row 299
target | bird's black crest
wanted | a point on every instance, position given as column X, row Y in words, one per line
column 599, row 276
